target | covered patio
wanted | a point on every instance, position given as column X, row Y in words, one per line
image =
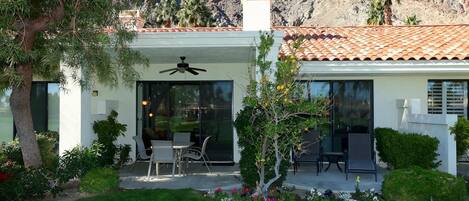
column 228, row 177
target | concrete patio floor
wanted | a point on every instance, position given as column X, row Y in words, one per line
column 228, row 177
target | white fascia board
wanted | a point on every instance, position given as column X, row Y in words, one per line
column 384, row 67
column 200, row 39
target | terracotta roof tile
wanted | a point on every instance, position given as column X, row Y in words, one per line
column 426, row 42
column 429, row 42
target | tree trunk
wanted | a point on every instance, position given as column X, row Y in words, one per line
column 387, row 14
column 20, row 103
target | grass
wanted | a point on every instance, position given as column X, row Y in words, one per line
column 149, row 195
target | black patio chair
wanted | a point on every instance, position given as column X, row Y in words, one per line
column 308, row 152
column 360, row 156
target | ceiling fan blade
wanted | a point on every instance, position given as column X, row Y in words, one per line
column 167, row 70
column 192, row 71
column 199, row 69
column 173, row 72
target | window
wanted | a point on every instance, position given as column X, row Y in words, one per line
column 448, row 97
column 44, row 108
column 6, row 119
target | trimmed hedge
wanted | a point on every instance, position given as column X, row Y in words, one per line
column 415, row 184
column 404, row 150
column 99, row 180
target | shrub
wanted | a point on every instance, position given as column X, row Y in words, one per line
column 26, row 184
column 99, row 180
column 78, row 161
column 403, row 150
column 124, row 151
column 48, row 144
column 461, row 135
column 415, row 184
column 107, row 132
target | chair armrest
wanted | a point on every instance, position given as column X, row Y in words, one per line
column 194, row 151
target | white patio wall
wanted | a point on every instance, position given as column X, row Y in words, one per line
column 436, row 126
column 75, row 114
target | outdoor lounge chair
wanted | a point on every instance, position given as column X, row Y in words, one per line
column 162, row 153
column 197, row 154
column 141, row 150
column 309, row 151
column 360, row 156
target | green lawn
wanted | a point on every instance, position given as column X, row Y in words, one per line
column 149, row 195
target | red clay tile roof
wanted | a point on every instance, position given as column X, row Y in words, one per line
column 426, row 42
column 431, row 42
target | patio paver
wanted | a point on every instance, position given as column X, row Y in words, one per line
column 228, row 177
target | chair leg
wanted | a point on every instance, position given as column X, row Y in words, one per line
column 149, row 167
column 346, row 175
column 157, row 168
column 174, row 167
column 294, row 168
column 206, row 165
column 317, row 168
column 376, row 177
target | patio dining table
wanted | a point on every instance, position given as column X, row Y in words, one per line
column 178, row 149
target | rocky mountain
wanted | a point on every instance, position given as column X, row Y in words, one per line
column 343, row 12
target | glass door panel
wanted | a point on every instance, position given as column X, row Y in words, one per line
column 184, row 104
column 216, row 119
column 200, row 108
column 351, row 110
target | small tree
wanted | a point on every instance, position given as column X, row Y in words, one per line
column 387, row 4
column 412, row 20
column 107, row 132
column 375, row 13
column 278, row 113
column 37, row 35
column 194, row 13
column 165, row 13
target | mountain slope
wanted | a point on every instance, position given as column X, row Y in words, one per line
column 343, row 12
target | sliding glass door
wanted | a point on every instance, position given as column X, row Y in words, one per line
column 200, row 108
column 351, row 110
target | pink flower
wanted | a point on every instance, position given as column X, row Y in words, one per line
column 271, row 199
column 234, row 190
column 218, row 190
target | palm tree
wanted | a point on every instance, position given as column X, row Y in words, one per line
column 388, row 11
column 412, row 20
column 165, row 13
column 194, row 13
column 375, row 13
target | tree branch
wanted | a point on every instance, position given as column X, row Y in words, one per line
column 276, row 168
column 40, row 24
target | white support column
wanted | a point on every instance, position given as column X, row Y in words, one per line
column 75, row 114
column 256, row 15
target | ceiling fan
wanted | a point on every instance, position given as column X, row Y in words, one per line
column 183, row 67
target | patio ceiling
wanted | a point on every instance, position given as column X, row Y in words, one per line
column 170, row 55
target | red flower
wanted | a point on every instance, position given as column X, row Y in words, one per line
column 246, row 190
column 218, row 190
column 4, row 176
column 234, row 190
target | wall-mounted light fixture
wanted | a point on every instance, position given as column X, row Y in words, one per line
column 150, row 114
column 145, row 102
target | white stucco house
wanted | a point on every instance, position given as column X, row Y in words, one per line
column 413, row 78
